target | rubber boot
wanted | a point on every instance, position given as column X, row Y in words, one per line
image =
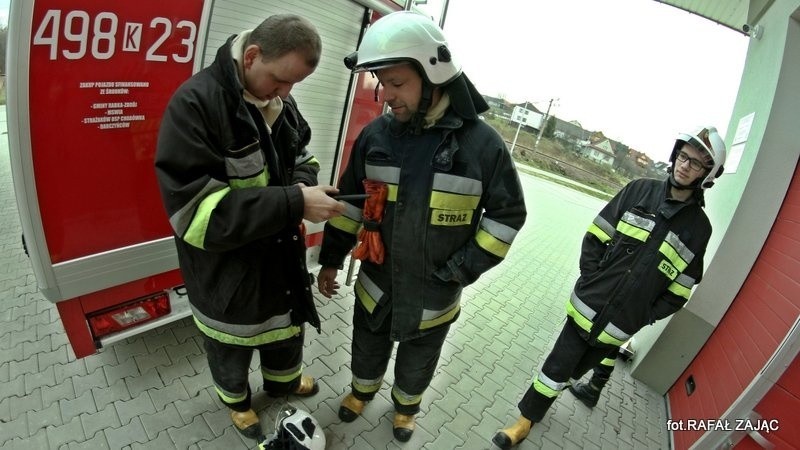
column 403, row 427
column 307, row 387
column 513, row 435
column 587, row 393
column 247, row 423
column 351, row 408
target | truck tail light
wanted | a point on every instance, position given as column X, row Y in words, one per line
column 126, row 316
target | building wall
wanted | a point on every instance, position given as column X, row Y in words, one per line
column 743, row 205
column 754, row 326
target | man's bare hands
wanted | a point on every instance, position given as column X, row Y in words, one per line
column 326, row 281
column 318, row 205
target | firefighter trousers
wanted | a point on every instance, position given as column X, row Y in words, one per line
column 570, row 358
column 415, row 362
column 281, row 367
column 602, row 372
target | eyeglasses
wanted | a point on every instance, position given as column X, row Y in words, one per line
column 694, row 163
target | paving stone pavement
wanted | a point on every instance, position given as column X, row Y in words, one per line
column 154, row 391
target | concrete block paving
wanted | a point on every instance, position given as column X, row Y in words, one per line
column 153, row 391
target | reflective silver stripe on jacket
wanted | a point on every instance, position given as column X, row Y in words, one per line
column 350, row 221
column 367, row 291
column 587, row 312
column 499, row 230
column 602, row 229
column 273, row 323
column 456, row 184
column 245, row 166
column 431, row 318
column 495, row 237
column 581, row 307
column 681, row 248
column 387, row 174
column 638, row 221
column 182, row 218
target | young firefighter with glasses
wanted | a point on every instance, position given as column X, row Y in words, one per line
column 640, row 259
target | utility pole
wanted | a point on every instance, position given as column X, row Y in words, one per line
column 518, row 127
column 541, row 127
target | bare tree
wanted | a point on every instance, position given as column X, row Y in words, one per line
column 3, row 38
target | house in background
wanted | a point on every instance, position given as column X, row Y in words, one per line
column 600, row 150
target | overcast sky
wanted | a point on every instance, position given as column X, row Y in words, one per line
column 4, row 12
column 638, row 70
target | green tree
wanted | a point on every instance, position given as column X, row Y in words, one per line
column 549, row 128
column 3, row 38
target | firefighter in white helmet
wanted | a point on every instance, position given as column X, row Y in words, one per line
column 711, row 143
column 640, row 258
column 453, row 207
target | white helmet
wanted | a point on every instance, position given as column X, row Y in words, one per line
column 296, row 430
column 708, row 140
column 406, row 36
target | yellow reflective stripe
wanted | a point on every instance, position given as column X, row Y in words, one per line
column 667, row 250
column 683, row 251
column 679, row 290
column 491, row 244
column 446, row 317
column 260, row 180
column 392, row 192
column 448, row 200
column 599, row 233
column 405, row 399
column 586, row 325
column 228, row 398
column 312, row 162
column 544, row 389
column 364, row 296
column 638, row 221
column 632, row 231
column 608, row 339
column 282, row 378
column 362, row 386
column 579, row 318
column 345, row 224
column 608, row 362
column 196, row 232
column 280, row 334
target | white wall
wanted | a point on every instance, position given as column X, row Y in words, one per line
column 743, row 205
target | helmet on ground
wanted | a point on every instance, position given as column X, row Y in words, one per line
column 295, row 430
column 706, row 140
column 402, row 37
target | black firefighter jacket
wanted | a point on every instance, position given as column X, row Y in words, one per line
column 640, row 259
column 455, row 205
column 229, row 190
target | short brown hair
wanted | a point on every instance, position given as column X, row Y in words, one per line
column 281, row 34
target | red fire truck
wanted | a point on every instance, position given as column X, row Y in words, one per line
column 87, row 83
